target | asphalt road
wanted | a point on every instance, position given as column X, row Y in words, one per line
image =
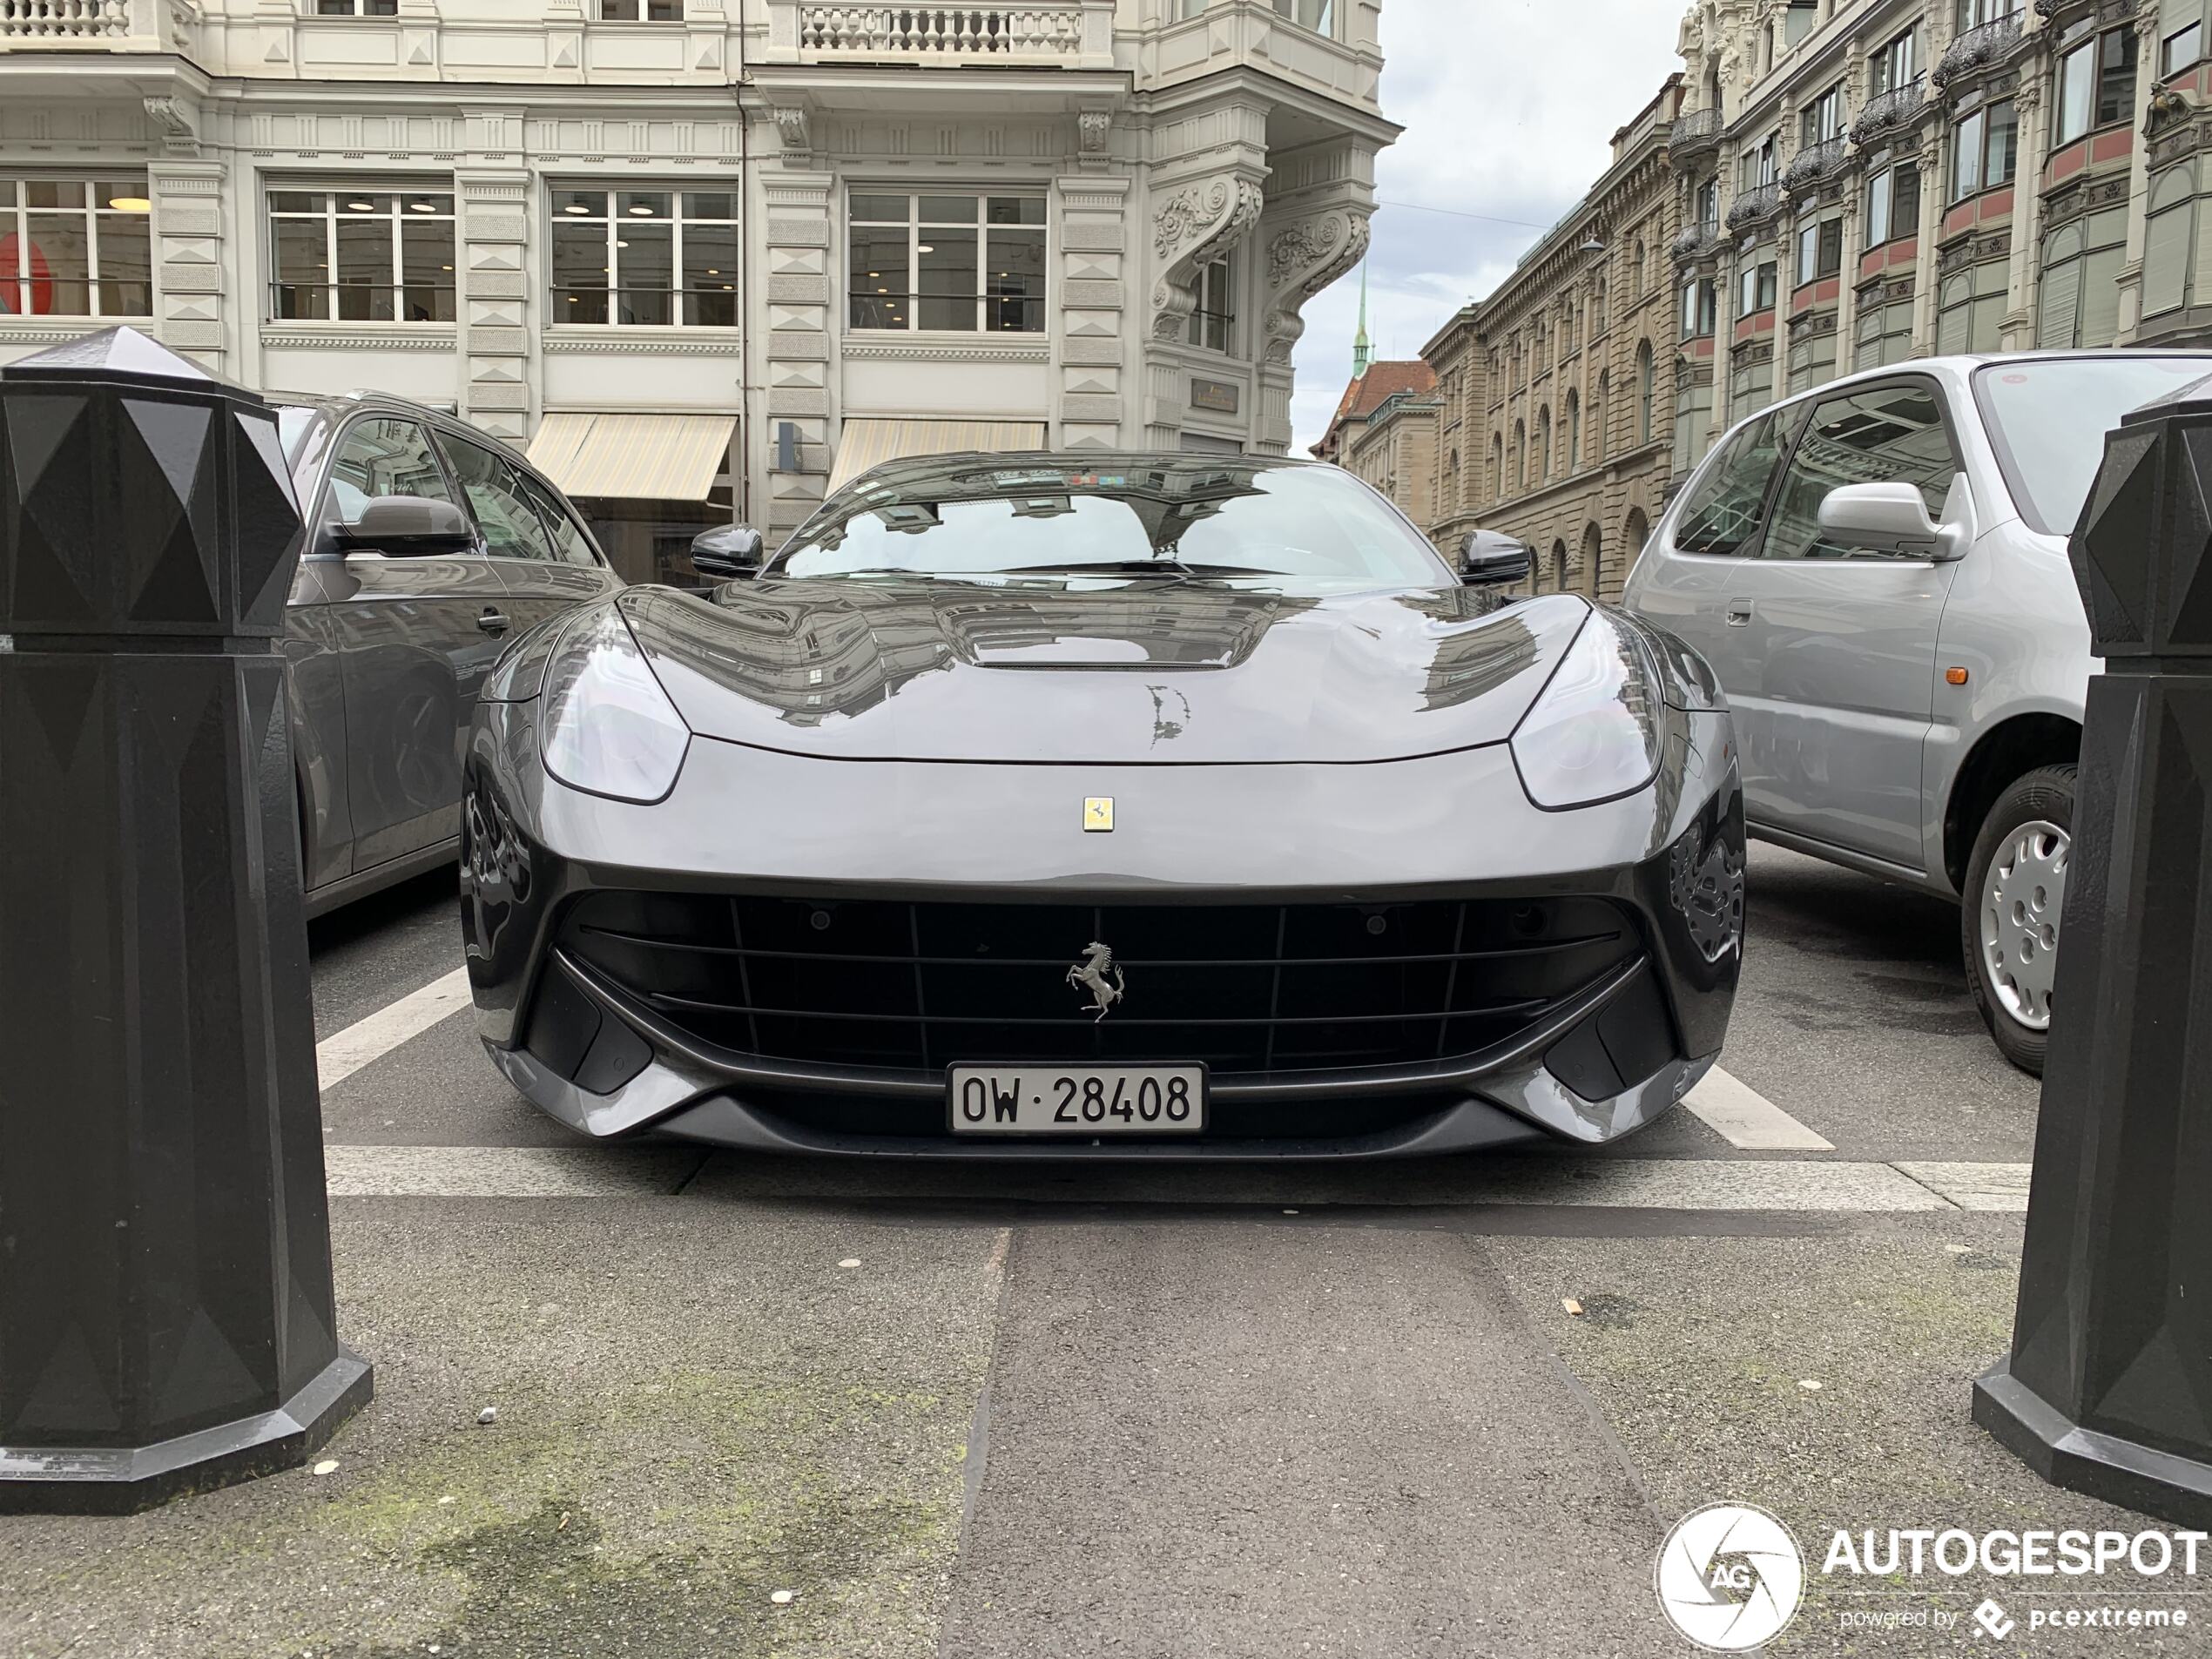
column 1448, row 1408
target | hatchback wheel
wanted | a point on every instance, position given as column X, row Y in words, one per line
column 2015, row 892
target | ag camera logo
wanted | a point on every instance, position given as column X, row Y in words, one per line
column 1730, row 1577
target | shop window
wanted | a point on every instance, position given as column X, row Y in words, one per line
column 1884, row 332
column 646, row 258
column 76, row 247
column 2078, row 302
column 1812, row 362
column 959, row 264
column 362, row 255
column 1970, row 310
column 641, row 11
column 2170, row 239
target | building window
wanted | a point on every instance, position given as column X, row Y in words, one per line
column 1520, row 455
column 357, row 8
column 960, row 264
column 1824, row 117
column 1697, row 309
column 646, row 258
column 1750, row 388
column 1757, row 168
column 1647, row 390
column 1892, row 204
column 2170, row 239
column 1896, row 65
column 2096, row 84
column 2077, row 301
column 1974, row 13
column 1812, row 362
column 362, row 255
column 1708, row 205
column 1597, row 417
column 1635, row 272
column 1885, row 330
column 1970, row 310
column 1820, row 250
column 1544, row 446
column 1983, row 150
column 641, row 11
column 1317, row 14
column 1213, row 325
column 2180, row 50
column 1693, row 423
column 1574, row 432
column 1754, row 284
column 76, row 247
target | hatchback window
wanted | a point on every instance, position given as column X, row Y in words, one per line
column 1891, row 434
column 1727, row 504
column 510, row 528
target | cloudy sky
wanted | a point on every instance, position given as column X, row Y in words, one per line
column 1510, row 108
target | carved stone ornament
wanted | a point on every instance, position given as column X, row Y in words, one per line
column 179, row 136
column 792, row 127
column 1190, row 229
column 1302, row 259
column 1092, row 127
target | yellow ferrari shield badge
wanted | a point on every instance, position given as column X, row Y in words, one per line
column 1098, row 815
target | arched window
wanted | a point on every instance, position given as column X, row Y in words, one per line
column 1520, row 455
column 1497, row 466
column 1559, row 567
column 1647, row 390
column 1634, row 534
column 1597, row 417
column 1635, row 272
column 1593, row 561
column 1543, row 444
column 1574, row 432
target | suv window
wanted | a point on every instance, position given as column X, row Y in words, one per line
column 504, row 513
column 1889, row 434
column 1727, row 504
column 571, row 545
column 380, row 455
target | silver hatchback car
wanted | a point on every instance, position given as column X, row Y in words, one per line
column 1877, row 570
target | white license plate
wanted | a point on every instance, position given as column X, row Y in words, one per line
column 1092, row 1100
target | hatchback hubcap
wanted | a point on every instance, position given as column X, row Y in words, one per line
column 2021, row 901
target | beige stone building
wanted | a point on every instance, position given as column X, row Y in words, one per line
column 1556, row 392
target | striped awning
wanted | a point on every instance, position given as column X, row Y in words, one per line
column 870, row 443
column 644, row 457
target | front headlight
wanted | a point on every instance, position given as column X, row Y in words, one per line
column 608, row 727
column 1596, row 732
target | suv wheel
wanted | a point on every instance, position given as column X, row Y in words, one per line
column 2015, row 890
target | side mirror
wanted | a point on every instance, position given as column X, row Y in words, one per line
column 729, row 551
column 1894, row 518
column 1489, row 560
column 407, row 525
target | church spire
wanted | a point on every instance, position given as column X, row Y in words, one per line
column 1362, row 350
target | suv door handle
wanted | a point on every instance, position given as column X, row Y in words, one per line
column 492, row 622
column 1739, row 612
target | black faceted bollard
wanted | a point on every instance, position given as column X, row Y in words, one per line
column 2108, row 1389
column 167, row 1316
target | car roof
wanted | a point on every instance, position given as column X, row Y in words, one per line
column 1960, row 365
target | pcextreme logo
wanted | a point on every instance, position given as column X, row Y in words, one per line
column 1730, row 1577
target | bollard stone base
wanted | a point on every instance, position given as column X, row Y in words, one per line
column 2177, row 1489
column 123, row 1480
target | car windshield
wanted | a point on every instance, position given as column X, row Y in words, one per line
column 966, row 518
column 2049, row 416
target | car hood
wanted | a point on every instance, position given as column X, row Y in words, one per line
column 1124, row 673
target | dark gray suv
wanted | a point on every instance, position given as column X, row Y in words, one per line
column 429, row 545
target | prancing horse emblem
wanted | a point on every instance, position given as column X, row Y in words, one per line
column 1091, row 972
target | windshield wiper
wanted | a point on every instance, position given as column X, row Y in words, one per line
column 1140, row 567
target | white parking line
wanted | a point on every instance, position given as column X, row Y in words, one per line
column 1745, row 1118
column 339, row 1057
column 1697, row 1186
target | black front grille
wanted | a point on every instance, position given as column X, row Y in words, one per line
column 1251, row 990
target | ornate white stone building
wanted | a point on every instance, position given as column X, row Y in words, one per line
column 723, row 251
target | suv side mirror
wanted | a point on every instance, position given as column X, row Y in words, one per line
column 407, row 525
column 1489, row 560
column 1894, row 518
column 730, row 551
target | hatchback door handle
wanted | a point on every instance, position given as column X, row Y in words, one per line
column 1739, row 612
column 492, row 622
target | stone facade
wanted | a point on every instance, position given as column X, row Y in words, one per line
column 1394, row 450
column 1557, row 391
column 1196, row 179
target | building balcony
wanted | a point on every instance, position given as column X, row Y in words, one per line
column 1694, row 136
column 1888, row 112
column 1981, row 48
column 1058, row 34
column 1754, row 206
column 1696, row 242
column 103, row 25
column 1815, row 164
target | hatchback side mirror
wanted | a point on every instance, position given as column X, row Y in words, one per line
column 730, row 551
column 1489, row 560
column 407, row 525
column 1893, row 518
